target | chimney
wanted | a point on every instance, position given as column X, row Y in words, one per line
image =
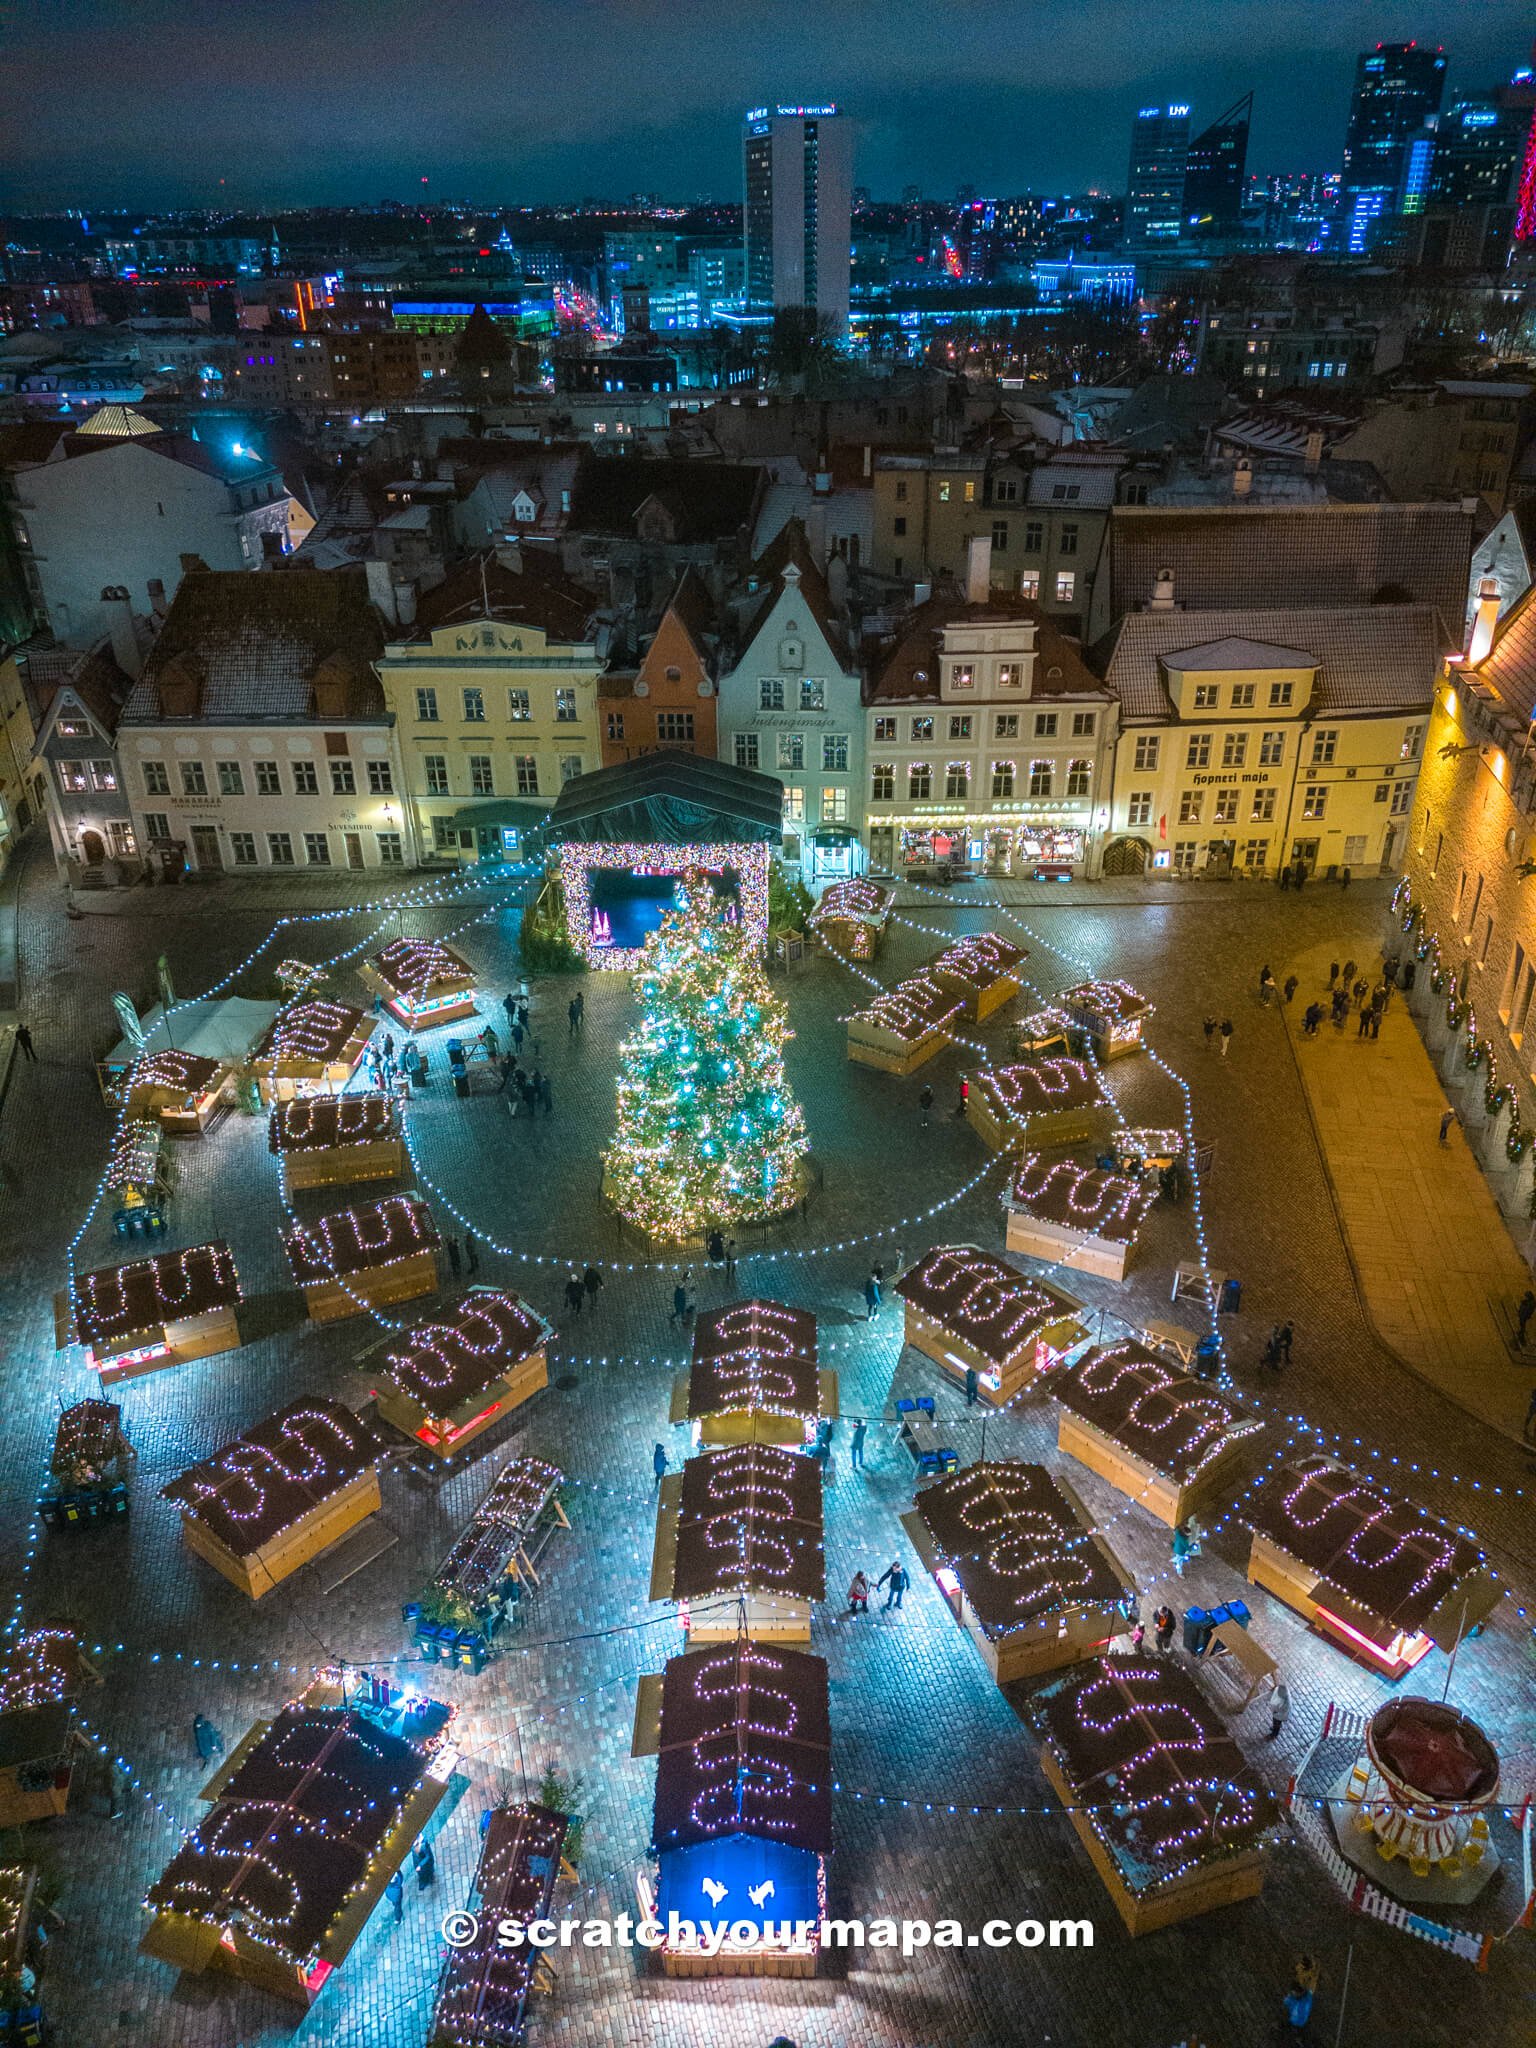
column 978, row 568
column 1162, row 592
column 121, row 631
column 1314, row 453
column 1484, row 619
column 404, row 597
column 1242, row 477
column 381, row 591
column 868, row 461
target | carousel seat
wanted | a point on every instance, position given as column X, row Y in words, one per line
column 1419, row 1865
column 1451, row 1866
column 1364, row 1825
column 1472, row 1854
column 1386, row 1851
column 1479, row 1827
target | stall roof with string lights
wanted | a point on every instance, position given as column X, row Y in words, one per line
column 1071, row 1212
column 361, row 1258
column 1020, row 1565
column 334, row 1140
column 1112, row 1013
column 1041, row 1103
column 42, row 1672
column 970, row 1311
column 453, row 1380
column 983, row 970
column 313, row 1043
column 1172, row 1814
column 482, row 1997
column 423, row 982
column 153, row 1312
column 282, row 1492
column 1153, row 1430
column 310, row 1818
column 904, row 1028
column 755, row 1376
column 853, row 915
column 739, row 1542
column 182, row 1090
column 505, row 1533
column 1367, row 1567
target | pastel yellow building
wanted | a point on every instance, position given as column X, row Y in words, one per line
column 494, row 693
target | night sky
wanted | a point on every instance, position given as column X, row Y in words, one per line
column 294, row 102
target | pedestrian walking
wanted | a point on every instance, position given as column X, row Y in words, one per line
column 858, row 1594
column 1290, row 986
column 679, row 1302
column 389, row 1045
column 489, row 1040
column 856, row 1444
column 1312, row 1016
column 1376, row 1017
column 572, row 1018
column 1266, row 984
column 1279, row 1707
column 546, row 1095
column 690, row 1304
column 394, row 1891
column 592, row 1281
column 206, row 1738
column 1226, row 1035
column 528, row 1094
column 1333, row 972
column 659, row 1462
column 898, row 1581
column 714, row 1248
column 24, row 1040
column 925, row 1104
column 1525, row 1308
column 519, row 1032
column 1287, row 1334
column 1138, row 1636
column 871, row 1298
column 1445, row 1126
column 451, row 1246
column 1347, row 971
column 1344, row 878
column 1210, row 1032
column 1340, row 1007
column 1359, row 989
column 965, row 1097
column 1164, row 1622
column 425, row 1862
column 1365, row 1022
column 1272, row 1349
column 1182, row 1547
column 508, row 1069
column 1301, row 876
column 972, row 1386
column 1285, row 878
column 509, row 1004
column 730, row 1258
column 575, row 1294
column 471, row 1251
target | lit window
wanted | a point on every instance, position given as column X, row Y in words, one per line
column 1040, row 778
column 1006, row 726
column 527, row 775
column 1066, row 585
column 1029, row 583
column 960, row 726
column 474, row 707
column 962, row 676
column 813, row 694
column 834, row 805
column 885, row 728
column 1413, row 743
column 922, row 729
column 1189, row 806
column 834, row 753
column 1002, row 778
column 565, row 707
column 518, row 707
column 794, row 804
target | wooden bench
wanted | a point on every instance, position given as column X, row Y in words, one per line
column 919, row 1433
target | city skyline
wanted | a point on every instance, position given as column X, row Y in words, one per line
column 653, row 100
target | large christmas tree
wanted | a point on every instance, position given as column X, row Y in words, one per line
column 708, row 1132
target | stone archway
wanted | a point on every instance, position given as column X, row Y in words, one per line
column 1127, row 857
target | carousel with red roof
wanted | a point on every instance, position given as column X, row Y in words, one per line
column 1412, row 1813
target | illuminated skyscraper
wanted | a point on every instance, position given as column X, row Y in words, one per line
column 798, row 169
column 1154, row 200
column 1213, row 175
column 1398, row 88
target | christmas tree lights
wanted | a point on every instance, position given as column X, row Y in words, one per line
column 708, row 1131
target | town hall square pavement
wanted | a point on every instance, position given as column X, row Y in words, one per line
column 940, row 1805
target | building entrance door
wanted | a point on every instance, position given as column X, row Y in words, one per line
column 354, row 849
column 205, row 845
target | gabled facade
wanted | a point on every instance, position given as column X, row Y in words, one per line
column 670, row 699
column 790, row 706
column 494, row 696
column 988, row 744
column 76, row 701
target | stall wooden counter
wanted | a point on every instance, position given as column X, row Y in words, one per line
column 739, row 1544
column 452, row 1381
column 313, row 1048
column 1171, row 1442
column 423, row 983
column 746, row 1846
column 1367, row 1567
column 970, row 1311
column 903, row 1029
column 853, row 917
column 153, row 1312
column 983, row 970
column 334, row 1140
column 1015, row 1555
column 182, row 1091
column 364, row 1258
column 286, row 1921
column 1174, row 1818
column 483, row 1995
column 504, row 1538
column 284, row 1491
column 44, row 1670
column 1113, row 1014
column 1069, row 1212
column 755, row 1377
column 1039, row 1103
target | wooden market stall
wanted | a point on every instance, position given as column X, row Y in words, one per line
column 42, row 1673
column 1112, row 1013
column 423, row 982
column 1015, row 1554
column 183, row 1091
column 1039, row 1103
column 742, row 1823
column 739, row 1544
column 1172, row 1815
column 493, row 1566
column 285, row 1920
column 1070, row 1212
column 853, row 917
column 452, row 1381
column 285, row 1490
column 983, row 970
column 313, row 1048
column 1042, row 1035
column 755, row 1377
column 903, row 1029
column 969, row 1311
column 153, row 1312
column 364, row 1258
column 139, row 1177
column 226, row 1030
column 486, row 1983
column 88, row 1468
column 1153, row 1431
column 334, row 1140
column 1368, row 1568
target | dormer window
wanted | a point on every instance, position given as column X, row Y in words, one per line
column 962, row 676
column 1009, row 675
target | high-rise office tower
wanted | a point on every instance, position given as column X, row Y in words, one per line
column 798, row 168
column 1398, row 87
column 1214, row 171
column 1154, row 200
